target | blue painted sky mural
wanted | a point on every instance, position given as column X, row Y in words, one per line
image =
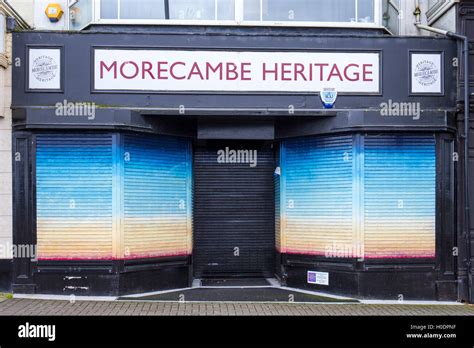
column 373, row 195
column 106, row 197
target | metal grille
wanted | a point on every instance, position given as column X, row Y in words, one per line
column 233, row 213
column 318, row 182
column 74, row 196
column 157, row 196
column 400, row 196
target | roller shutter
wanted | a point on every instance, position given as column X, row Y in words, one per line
column 74, row 196
column 233, row 213
column 277, row 185
column 399, row 196
column 157, row 196
column 317, row 197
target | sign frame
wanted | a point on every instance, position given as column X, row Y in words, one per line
column 414, row 52
column 62, row 67
column 94, row 90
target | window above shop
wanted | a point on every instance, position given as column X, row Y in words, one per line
column 337, row 13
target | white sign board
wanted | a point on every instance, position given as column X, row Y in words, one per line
column 426, row 73
column 320, row 278
column 44, row 68
column 232, row 71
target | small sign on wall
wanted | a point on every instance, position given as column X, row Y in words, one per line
column 319, row 278
column 426, row 73
column 44, row 69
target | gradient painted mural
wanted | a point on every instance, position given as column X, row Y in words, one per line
column 157, row 197
column 112, row 197
column 359, row 196
column 316, row 194
column 74, row 179
column 399, row 196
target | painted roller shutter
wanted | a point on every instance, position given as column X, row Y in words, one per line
column 157, row 196
column 277, row 177
column 400, row 196
column 74, row 196
column 316, row 194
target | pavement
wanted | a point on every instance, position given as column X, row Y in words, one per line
column 56, row 307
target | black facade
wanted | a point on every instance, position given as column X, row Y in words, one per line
column 252, row 201
column 465, row 269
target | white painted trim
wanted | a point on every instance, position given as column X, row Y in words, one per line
column 64, row 297
column 156, row 293
column 95, row 10
column 118, row 8
column 378, row 13
column 247, row 302
column 357, row 10
column 273, row 284
column 319, row 293
column 239, row 19
column 441, row 11
column 411, row 303
column 239, row 11
column 235, row 23
column 131, row 298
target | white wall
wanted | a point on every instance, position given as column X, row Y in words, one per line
column 25, row 9
column 5, row 152
column 447, row 21
column 41, row 22
column 33, row 12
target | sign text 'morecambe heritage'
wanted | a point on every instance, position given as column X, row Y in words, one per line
column 164, row 70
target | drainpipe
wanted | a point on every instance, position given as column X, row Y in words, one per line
column 465, row 136
column 417, row 13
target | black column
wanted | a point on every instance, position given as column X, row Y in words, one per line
column 24, row 235
column 466, row 240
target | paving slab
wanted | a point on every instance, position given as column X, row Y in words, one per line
column 35, row 307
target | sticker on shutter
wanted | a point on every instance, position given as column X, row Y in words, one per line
column 320, row 278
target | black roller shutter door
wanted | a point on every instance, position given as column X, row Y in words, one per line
column 234, row 227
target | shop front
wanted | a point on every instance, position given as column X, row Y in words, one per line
column 144, row 161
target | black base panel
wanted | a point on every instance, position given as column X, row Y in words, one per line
column 384, row 285
column 79, row 284
column 5, row 275
column 269, row 294
column 154, row 280
column 112, row 279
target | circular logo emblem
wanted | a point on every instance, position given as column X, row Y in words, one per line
column 426, row 73
column 45, row 68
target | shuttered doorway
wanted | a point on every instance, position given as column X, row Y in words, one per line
column 234, row 227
